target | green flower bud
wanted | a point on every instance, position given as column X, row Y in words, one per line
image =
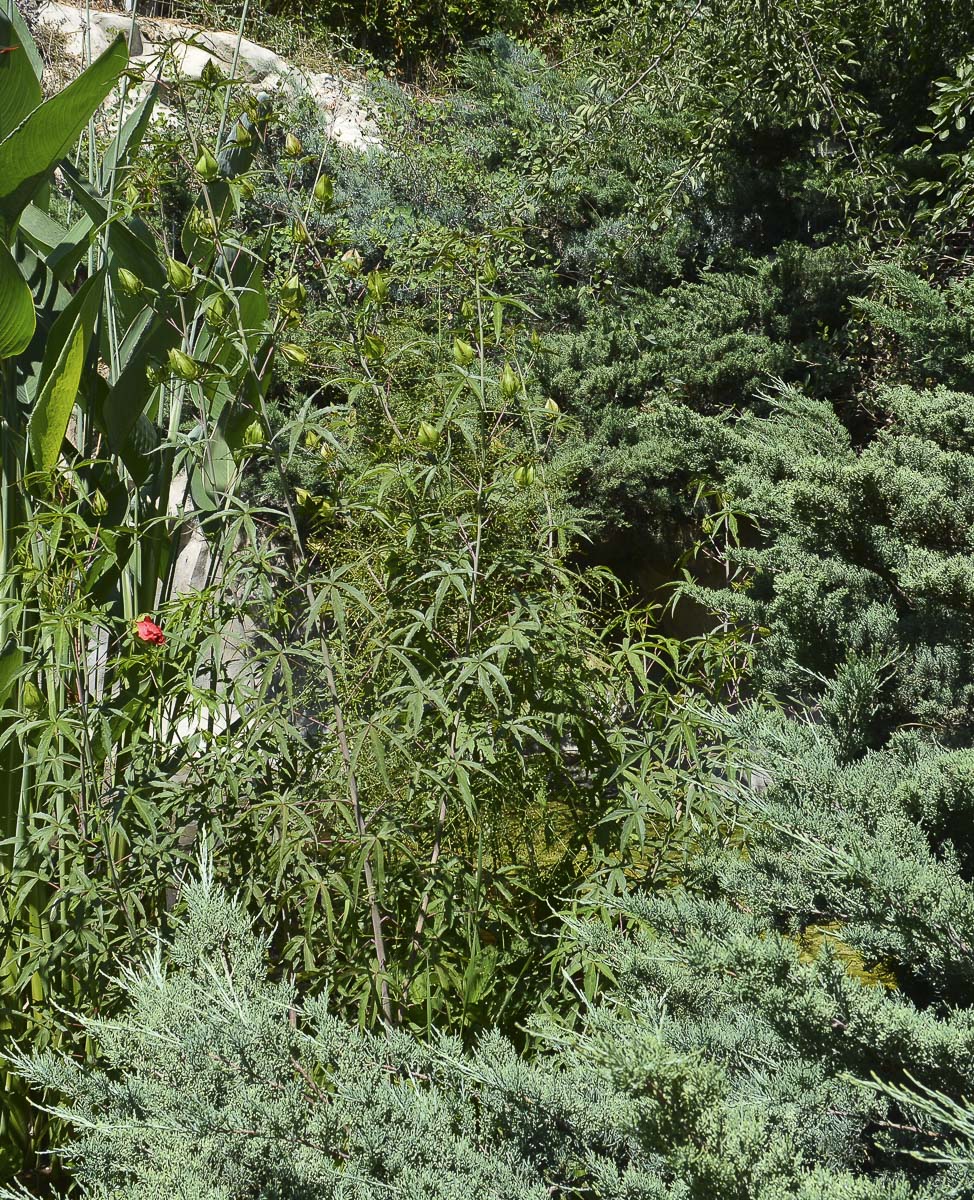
column 463, row 353
column 207, row 167
column 293, row 354
column 292, row 146
column 129, row 282
column 551, row 407
column 428, row 436
column 303, row 497
column 299, row 233
column 183, row 365
column 253, row 435
column 31, row 699
column 378, row 286
column 99, row 505
column 509, row 384
column 524, row 476
column 293, row 293
column 217, row 310
column 324, row 191
column 242, row 135
column 180, row 276
column 211, row 75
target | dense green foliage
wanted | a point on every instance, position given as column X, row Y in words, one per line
column 578, row 703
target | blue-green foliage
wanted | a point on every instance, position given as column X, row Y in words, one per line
column 740, row 1014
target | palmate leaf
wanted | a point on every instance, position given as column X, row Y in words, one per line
column 17, row 317
column 30, row 151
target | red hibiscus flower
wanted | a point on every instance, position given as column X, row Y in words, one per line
column 148, row 631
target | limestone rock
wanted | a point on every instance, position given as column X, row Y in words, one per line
column 174, row 49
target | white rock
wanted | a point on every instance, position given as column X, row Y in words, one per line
column 88, row 34
column 173, row 48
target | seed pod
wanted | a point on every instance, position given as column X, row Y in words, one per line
column 207, row 167
column 324, row 190
column 509, row 384
column 293, row 293
column 184, row 365
column 352, row 262
column 129, row 282
column 292, row 146
column 180, row 276
column 428, row 436
column 524, row 476
column 463, row 352
column 31, row 699
column 293, row 354
column 551, row 407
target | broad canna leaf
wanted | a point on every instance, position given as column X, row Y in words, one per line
column 62, row 249
column 60, row 375
column 20, row 89
column 30, row 152
column 17, row 317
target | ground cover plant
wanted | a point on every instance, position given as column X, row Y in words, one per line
column 557, row 781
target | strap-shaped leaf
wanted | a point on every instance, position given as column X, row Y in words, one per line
column 17, row 317
column 128, row 248
column 43, row 138
column 129, row 137
column 61, row 374
column 20, row 90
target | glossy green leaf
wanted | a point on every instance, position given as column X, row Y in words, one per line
column 20, row 90
column 11, row 660
column 43, row 138
column 61, row 375
column 17, row 317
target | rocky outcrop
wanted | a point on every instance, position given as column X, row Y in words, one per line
column 171, row 50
